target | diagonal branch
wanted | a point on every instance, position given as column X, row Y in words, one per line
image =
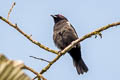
column 27, row 36
column 38, row 75
column 97, row 31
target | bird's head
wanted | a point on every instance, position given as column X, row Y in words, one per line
column 58, row 17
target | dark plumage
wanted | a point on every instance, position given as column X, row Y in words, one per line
column 63, row 35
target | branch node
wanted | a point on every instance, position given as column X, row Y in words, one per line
column 38, row 75
column 15, row 24
column 31, row 35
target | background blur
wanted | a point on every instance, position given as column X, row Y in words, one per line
column 102, row 56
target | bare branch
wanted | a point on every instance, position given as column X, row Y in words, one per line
column 97, row 31
column 10, row 10
column 40, row 59
column 38, row 75
column 27, row 36
column 59, row 54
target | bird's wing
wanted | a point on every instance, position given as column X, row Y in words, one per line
column 69, row 34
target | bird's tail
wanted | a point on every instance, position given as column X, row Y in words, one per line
column 80, row 66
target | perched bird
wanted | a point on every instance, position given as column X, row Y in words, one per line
column 63, row 35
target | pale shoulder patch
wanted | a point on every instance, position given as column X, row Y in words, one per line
column 68, row 23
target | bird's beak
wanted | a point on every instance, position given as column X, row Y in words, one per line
column 53, row 16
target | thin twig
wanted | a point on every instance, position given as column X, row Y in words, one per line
column 49, row 65
column 28, row 37
column 10, row 10
column 38, row 75
column 40, row 59
column 76, row 42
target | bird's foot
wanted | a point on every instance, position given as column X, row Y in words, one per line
column 98, row 33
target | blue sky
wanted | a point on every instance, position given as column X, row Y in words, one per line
column 102, row 56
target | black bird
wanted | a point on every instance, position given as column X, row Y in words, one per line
column 63, row 35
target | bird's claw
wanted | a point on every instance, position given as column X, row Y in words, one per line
column 98, row 33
